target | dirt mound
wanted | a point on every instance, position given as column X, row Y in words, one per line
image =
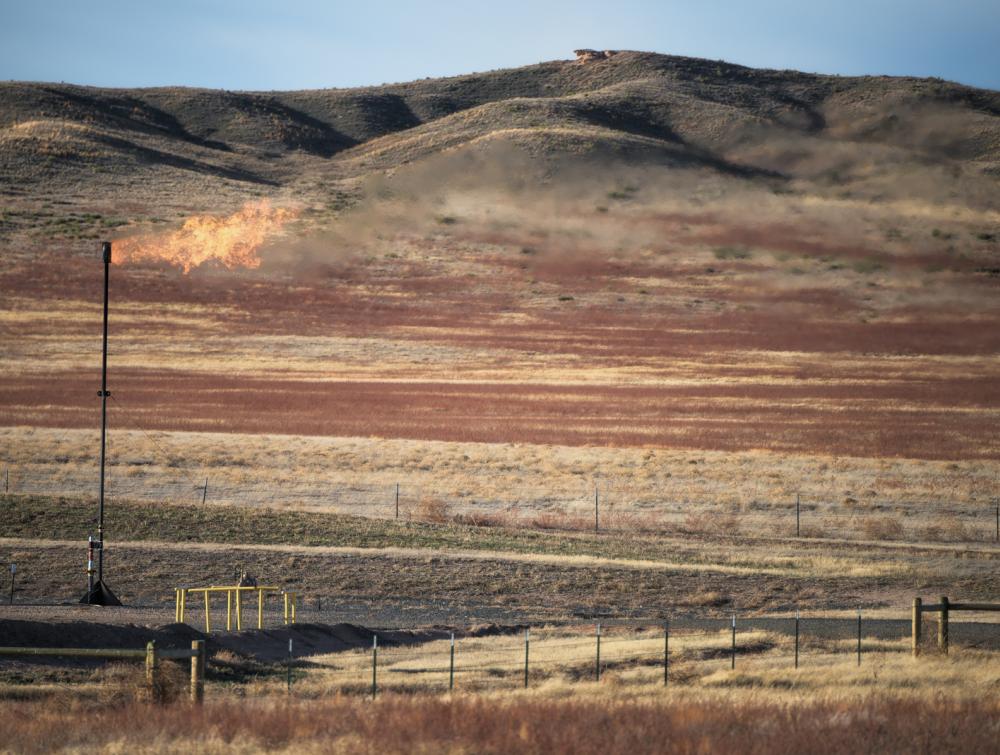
column 85, row 634
column 264, row 645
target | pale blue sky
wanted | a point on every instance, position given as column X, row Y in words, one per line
column 253, row 44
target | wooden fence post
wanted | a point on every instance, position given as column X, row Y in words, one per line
column 198, row 671
column 943, row 626
column 916, row 635
column 151, row 670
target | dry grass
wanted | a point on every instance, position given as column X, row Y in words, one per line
column 548, row 487
column 520, row 724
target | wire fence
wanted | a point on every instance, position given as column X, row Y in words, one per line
column 602, row 509
column 148, row 466
column 627, row 654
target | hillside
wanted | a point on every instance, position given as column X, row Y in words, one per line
column 633, row 106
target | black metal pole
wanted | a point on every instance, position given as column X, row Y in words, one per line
column 97, row 592
column 797, row 516
column 397, row 500
column 106, row 252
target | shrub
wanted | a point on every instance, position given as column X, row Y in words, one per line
column 431, row 509
column 882, row 528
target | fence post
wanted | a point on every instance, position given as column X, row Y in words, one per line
column 666, row 653
column 177, row 605
column 183, row 603
column 208, row 621
column 284, row 594
column 917, row 627
column 6, row 480
column 527, row 642
column 204, row 491
column 597, row 518
column 239, row 610
column 260, row 608
column 374, row 665
column 229, row 610
column 859, row 635
column 451, row 665
column 151, row 670
column 397, row 500
column 597, row 668
column 943, row 626
column 796, row 638
column 798, row 518
column 733, row 664
column 998, row 522
column 198, row 671
column 289, row 665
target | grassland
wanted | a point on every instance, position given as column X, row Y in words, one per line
column 695, row 290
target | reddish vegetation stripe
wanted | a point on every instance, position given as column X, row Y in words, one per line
column 862, row 420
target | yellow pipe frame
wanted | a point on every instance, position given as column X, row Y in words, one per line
column 180, row 604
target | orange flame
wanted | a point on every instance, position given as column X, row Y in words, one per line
column 232, row 241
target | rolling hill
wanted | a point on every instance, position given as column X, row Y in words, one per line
column 633, row 106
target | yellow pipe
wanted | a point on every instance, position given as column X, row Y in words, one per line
column 177, row 606
column 294, row 599
column 183, row 602
column 286, row 606
column 229, row 611
column 260, row 608
column 208, row 623
column 239, row 612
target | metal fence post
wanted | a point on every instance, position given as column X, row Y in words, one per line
column 917, row 631
column 666, row 653
column 527, row 642
column 374, row 665
column 597, row 518
column 798, row 519
column 796, row 638
column 859, row 635
column 597, row 668
column 451, row 665
column 289, row 665
column 733, row 664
